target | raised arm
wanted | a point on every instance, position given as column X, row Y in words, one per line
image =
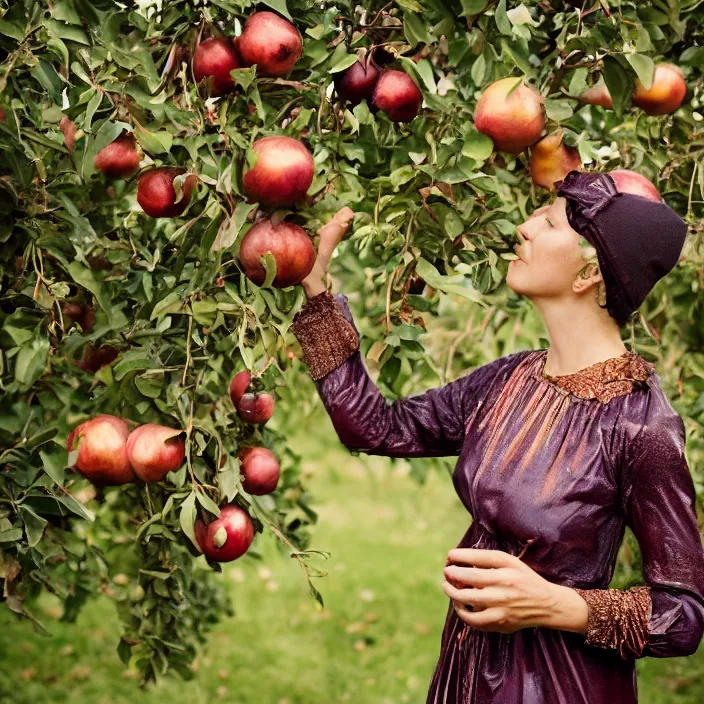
column 665, row 617
column 430, row 424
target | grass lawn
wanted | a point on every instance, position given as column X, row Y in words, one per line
column 376, row 641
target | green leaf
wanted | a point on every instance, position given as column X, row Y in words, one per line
column 269, row 264
column 76, row 507
column 207, row 503
column 644, row 67
column 187, row 518
column 502, row 22
column 33, row 525
column 578, row 83
column 473, row 7
column 54, row 463
column 30, row 362
column 279, row 6
column 244, row 76
column 149, row 386
column 416, row 30
column 477, row 145
column 557, row 110
column 12, row 30
column 457, row 284
column 13, row 535
column 345, row 62
column 618, row 82
column 86, row 278
column 156, row 142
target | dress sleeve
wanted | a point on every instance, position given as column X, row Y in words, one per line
column 431, row 424
column 665, row 618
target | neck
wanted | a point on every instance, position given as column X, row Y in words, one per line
column 580, row 333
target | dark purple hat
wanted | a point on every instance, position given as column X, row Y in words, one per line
column 637, row 240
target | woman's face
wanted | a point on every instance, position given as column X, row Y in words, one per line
column 551, row 256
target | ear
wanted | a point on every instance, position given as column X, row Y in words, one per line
column 582, row 284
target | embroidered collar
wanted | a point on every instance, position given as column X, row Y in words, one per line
column 604, row 380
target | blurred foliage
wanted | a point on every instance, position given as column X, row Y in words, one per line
column 436, row 211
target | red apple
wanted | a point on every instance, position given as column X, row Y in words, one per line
column 357, row 82
column 156, row 193
column 120, row 158
column 154, row 450
column 551, row 160
column 598, row 94
column 228, row 536
column 271, row 42
column 80, row 313
column 513, row 121
column 397, row 95
column 216, row 58
column 239, row 385
column 289, row 245
column 260, row 470
column 102, row 450
column 628, row 181
column 665, row 95
column 95, row 358
column 256, row 408
column 2, row 115
column 282, row 173
column 68, row 127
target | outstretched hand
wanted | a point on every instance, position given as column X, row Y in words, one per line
column 331, row 234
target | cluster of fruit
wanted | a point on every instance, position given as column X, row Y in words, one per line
column 511, row 113
column 105, row 452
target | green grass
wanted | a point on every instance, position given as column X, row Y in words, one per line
column 376, row 641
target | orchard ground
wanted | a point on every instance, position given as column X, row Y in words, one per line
column 376, row 641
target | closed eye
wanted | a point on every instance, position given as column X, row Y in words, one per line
column 549, row 223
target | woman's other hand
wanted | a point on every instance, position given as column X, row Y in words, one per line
column 331, row 234
column 505, row 594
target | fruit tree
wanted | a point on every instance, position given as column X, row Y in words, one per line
column 164, row 167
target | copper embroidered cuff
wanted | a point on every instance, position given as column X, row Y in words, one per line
column 326, row 337
column 618, row 619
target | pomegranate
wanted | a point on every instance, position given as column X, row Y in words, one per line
column 102, row 450
column 260, row 470
column 239, row 385
column 551, row 160
column 357, row 82
column 271, row 42
column 397, row 95
column 282, row 173
column 665, row 95
column 156, row 193
column 256, row 408
column 154, row 450
column 289, row 245
column 95, row 358
column 228, row 536
column 68, row 127
column 628, row 181
column 216, row 58
column 512, row 121
column 120, row 158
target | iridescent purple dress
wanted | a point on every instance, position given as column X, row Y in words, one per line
column 545, row 467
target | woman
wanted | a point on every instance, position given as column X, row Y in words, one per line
column 559, row 449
